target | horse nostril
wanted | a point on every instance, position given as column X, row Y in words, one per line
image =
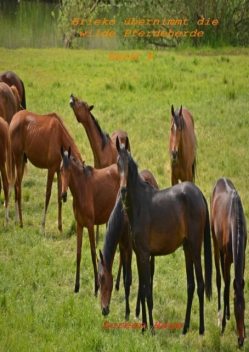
column 105, row 311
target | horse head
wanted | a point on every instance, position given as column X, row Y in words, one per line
column 175, row 133
column 239, row 309
column 123, row 163
column 81, row 109
column 65, row 172
column 105, row 279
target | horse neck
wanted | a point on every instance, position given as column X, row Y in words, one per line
column 67, row 141
column 95, row 140
column 238, row 237
column 77, row 182
column 113, row 233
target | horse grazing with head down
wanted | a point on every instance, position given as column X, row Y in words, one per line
column 38, row 138
column 6, row 167
column 228, row 225
column 162, row 221
column 94, row 193
column 9, row 101
column 12, row 79
column 118, row 232
column 182, row 146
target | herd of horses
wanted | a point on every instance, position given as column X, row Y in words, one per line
column 139, row 216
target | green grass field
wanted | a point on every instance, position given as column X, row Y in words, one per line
column 38, row 308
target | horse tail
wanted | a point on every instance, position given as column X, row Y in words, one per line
column 10, row 165
column 207, row 255
column 23, row 102
column 239, row 238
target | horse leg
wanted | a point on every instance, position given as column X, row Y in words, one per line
column 218, row 276
column 200, row 292
column 190, row 286
column 50, row 177
column 119, row 271
column 227, row 279
column 126, row 259
column 18, row 188
column 141, row 293
column 6, row 193
column 93, row 255
column 59, row 201
column 78, row 256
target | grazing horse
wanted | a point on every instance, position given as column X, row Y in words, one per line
column 9, row 101
column 182, row 146
column 162, row 221
column 94, row 193
column 228, row 226
column 103, row 146
column 6, row 169
column 118, row 232
column 38, row 139
column 12, row 79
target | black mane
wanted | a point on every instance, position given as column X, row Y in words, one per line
column 104, row 136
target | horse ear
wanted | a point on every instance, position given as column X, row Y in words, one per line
column 180, row 111
column 117, row 144
column 172, row 110
column 91, row 107
column 69, row 152
column 101, row 258
column 127, row 143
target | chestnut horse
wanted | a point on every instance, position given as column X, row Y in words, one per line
column 94, row 193
column 228, row 225
column 162, row 221
column 182, row 146
column 9, row 101
column 38, row 139
column 118, row 232
column 12, row 79
column 6, row 169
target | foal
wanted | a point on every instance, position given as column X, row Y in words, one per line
column 94, row 193
column 228, row 225
column 182, row 146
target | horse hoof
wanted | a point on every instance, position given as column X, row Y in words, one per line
column 184, row 330
column 127, row 316
column 117, row 287
column 77, row 288
column 152, row 330
column 201, row 331
column 144, row 328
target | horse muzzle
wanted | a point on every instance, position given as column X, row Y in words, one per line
column 105, row 311
column 174, row 155
column 64, row 196
column 71, row 100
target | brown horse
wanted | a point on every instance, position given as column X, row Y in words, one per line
column 9, row 101
column 6, row 169
column 103, row 146
column 94, row 193
column 38, row 139
column 12, row 79
column 228, row 225
column 118, row 232
column 182, row 146
column 162, row 221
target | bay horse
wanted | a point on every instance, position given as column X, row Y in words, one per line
column 118, row 232
column 182, row 146
column 103, row 146
column 6, row 167
column 9, row 101
column 38, row 138
column 94, row 193
column 162, row 221
column 12, row 79
column 229, row 233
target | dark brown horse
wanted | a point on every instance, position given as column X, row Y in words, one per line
column 182, row 146
column 118, row 232
column 6, row 169
column 9, row 101
column 162, row 221
column 12, row 79
column 103, row 146
column 228, row 225
column 39, row 138
column 94, row 193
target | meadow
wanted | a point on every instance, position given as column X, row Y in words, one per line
column 38, row 308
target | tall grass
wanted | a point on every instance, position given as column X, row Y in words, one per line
column 38, row 309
